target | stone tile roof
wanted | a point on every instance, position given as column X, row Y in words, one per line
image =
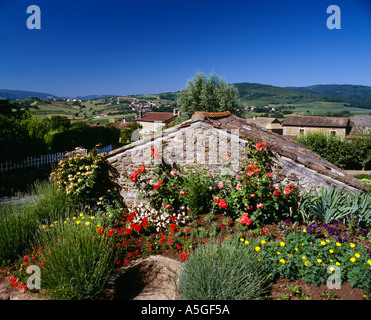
column 362, row 120
column 279, row 144
column 121, row 125
column 316, row 121
column 158, row 116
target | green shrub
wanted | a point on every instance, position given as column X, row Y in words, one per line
column 78, row 259
column 86, row 179
column 224, row 271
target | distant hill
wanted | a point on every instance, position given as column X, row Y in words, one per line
column 344, row 91
column 19, row 94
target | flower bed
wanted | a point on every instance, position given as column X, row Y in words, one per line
column 187, row 208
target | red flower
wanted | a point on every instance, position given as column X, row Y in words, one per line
column 150, row 246
column 120, row 232
column 186, row 230
column 156, row 187
column 173, row 226
column 168, row 206
column 173, row 218
column 216, row 199
column 137, row 251
column 287, row 191
column 178, row 246
column 252, row 195
column 182, row 192
column 144, row 222
column 250, row 173
column 141, row 169
column 12, row 280
column 23, row 287
column 118, row 261
column 169, row 241
column 291, row 186
column 245, row 219
column 259, row 146
column 276, row 192
column 269, row 174
column 129, row 255
column 15, row 284
column 220, row 185
column 137, row 227
column 128, row 231
column 260, row 206
column 124, row 243
column 222, row 204
column 126, row 261
column 160, row 182
column 100, row 230
column 222, row 226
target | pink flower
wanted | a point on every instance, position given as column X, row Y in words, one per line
column 220, row 185
column 250, row 208
column 168, row 206
column 182, row 192
column 173, row 172
column 250, row 173
column 239, row 187
column 269, row 174
column 259, row 146
column 260, row 206
column 216, row 199
column 252, row 195
column 287, row 191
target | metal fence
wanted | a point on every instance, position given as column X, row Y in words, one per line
column 44, row 159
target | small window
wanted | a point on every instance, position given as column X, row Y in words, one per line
column 301, row 131
column 333, row 133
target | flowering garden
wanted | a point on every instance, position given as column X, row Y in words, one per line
column 237, row 237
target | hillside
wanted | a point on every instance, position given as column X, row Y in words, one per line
column 19, row 94
column 346, row 91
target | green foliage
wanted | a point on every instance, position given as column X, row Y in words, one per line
column 353, row 154
column 126, row 134
column 224, row 271
column 210, row 94
column 85, row 179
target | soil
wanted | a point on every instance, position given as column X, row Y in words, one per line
column 279, row 290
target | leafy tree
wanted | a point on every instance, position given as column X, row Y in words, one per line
column 210, row 94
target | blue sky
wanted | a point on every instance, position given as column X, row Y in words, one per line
column 131, row 47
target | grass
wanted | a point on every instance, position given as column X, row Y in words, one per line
column 19, row 221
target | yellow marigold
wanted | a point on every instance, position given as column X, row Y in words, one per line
column 338, row 244
column 369, row 262
column 282, row 244
column 242, row 239
column 352, row 245
column 282, row 261
column 304, row 257
column 307, row 263
column 304, row 230
column 319, row 260
column 246, row 242
column 337, row 263
column 323, row 243
column 263, row 241
column 353, row 259
column 357, row 255
column 87, row 223
column 257, row 248
column 278, row 252
column 78, row 221
column 331, row 251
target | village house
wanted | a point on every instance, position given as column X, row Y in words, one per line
column 360, row 124
column 153, row 122
column 272, row 124
column 122, row 125
column 206, row 139
column 295, row 125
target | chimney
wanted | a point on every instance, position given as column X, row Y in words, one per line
column 123, row 120
column 140, row 113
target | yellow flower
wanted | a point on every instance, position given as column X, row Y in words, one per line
column 257, row 248
column 81, row 214
column 65, row 222
column 51, row 225
column 304, row 257
column 327, row 240
column 369, row 262
column 323, row 243
column 242, row 239
column 282, row 244
column 307, row 263
column 78, row 221
column 352, row 245
column 278, row 252
column 92, row 217
column 289, row 255
column 304, row 230
column 357, row 255
column 43, row 226
column 246, row 242
column 337, row 263
column 338, row 244
column 319, row 260
column 332, row 269
column 282, row 261
column 331, row 251
column 74, row 218
column 353, row 259
column 296, row 249
column 263, row 241
column 87, row 224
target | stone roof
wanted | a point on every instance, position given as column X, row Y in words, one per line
column 316, row 121
column 285, row 147
column 268, row 123
column 361, row 120
column 121, row 125
column 158, row 116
